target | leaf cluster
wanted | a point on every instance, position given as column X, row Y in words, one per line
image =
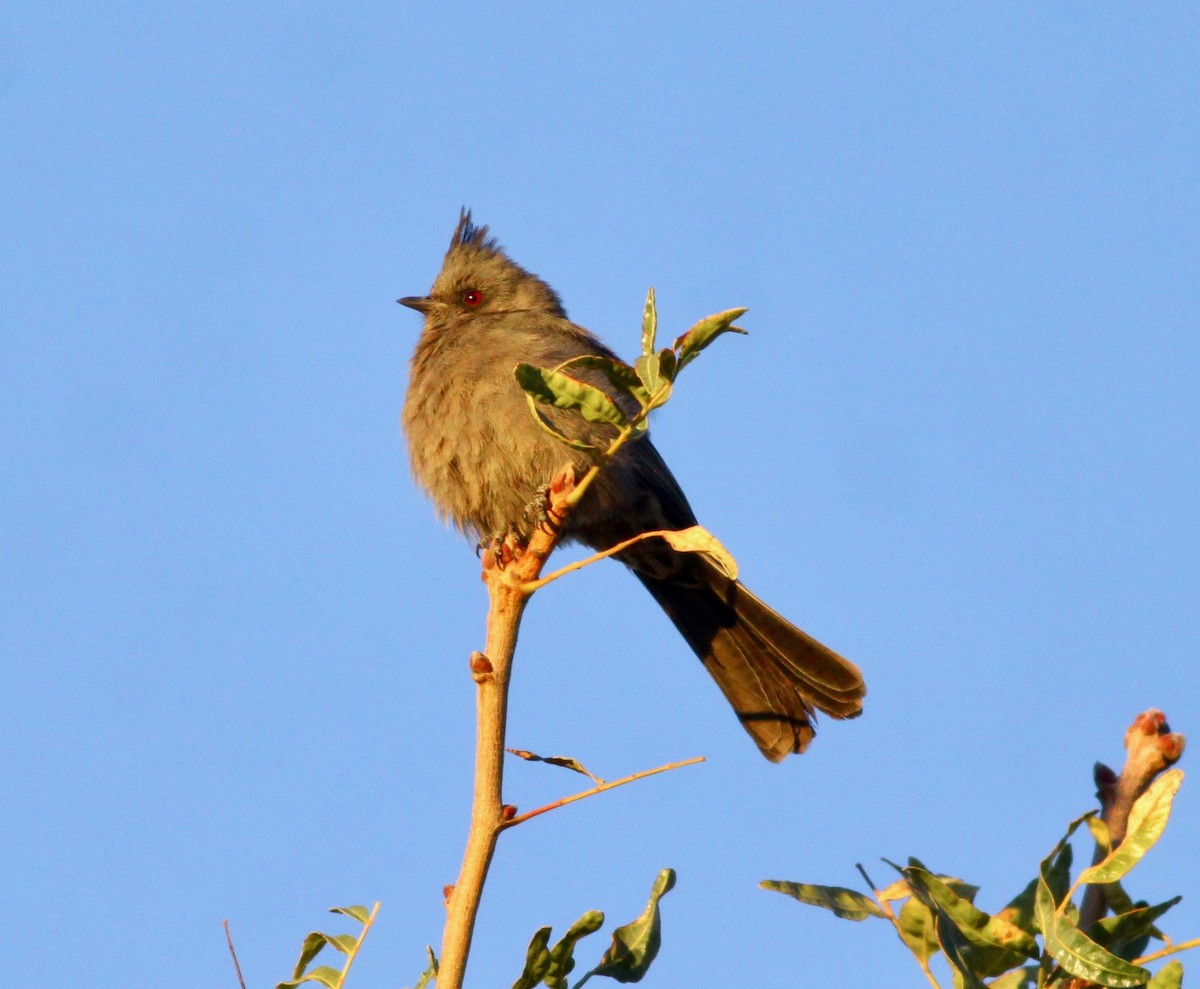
column 346, row 944
column 634, row 946
column 934, row 914
column 645, row 385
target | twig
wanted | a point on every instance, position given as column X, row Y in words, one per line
column 587, row 561
column 1173, row 949
column 601, row 788
column 236, row 967
column 1150, row 748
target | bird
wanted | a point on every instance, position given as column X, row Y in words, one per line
column 480, row 455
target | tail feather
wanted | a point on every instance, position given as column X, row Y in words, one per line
column 774, row 675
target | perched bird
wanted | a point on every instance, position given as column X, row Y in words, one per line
column 480, row 455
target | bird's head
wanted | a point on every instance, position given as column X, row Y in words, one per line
column 477, row 277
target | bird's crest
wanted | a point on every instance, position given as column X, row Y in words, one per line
column 466, row 234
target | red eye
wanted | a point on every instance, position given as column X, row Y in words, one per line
column 473, row 297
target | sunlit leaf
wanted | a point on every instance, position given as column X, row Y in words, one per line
column 649, row 323
column 1070, row 947
column 849, row 904
column 623, row 377
column 647, row 368
column 1005, row 945
column 564, row 392
column 697, row 539
column 1147, row 819
column 310, row 947
column 323, row 975
column 359, row 913
column 689, row 346
column 635, row 945
column 915, row 925
column 896, row 891
column 1170, row 976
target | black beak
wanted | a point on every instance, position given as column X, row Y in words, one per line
column 421, row 303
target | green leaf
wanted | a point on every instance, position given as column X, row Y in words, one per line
column 689, row 346
column 309, row 949
column 647, row 368
column 1070, row 947
column 649, row 323
column 915, row 925
column 430, row 974
column 635, row 945
column 1019, row 911
column 1170, row 976
column 1115, row 933
column 668, row 365
column 955, row 947
column 1147, row 819
column 1100, row 834
column 1004, row 944
column 623, row 377
column 849, row 904
column 564, row 392
column 537, row 960
column 329, row 977
column 1058, row 877
column 361, row 914
column 562, row 955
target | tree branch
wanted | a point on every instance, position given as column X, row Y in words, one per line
column 507, row 575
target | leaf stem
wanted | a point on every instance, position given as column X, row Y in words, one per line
column 601, row 788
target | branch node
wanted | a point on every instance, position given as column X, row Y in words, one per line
column 481, row 667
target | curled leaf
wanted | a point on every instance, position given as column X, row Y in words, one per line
column 689, row 346
column 697, row 539
column 636, row 945
column 566, row 762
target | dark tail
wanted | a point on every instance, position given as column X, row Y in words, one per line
column 772, row 673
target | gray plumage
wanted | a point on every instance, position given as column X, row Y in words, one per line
column 478, row 453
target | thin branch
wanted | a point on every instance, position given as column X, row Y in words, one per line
column 535, row 585
column 1173, row 949
column 353, row 952
column 236, row 967
column 601, row 788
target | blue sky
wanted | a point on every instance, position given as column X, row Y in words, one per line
column 959, row 445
